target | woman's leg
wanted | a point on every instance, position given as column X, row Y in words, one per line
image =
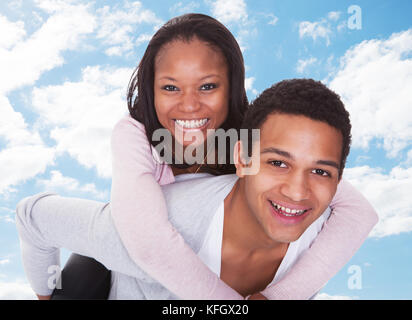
column 83, row 278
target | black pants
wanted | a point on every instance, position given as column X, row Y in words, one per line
column 83, row 278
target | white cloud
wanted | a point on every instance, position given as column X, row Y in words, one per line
column 180, row 8
column 11, row 32
column 143, row 38
column 42, row 51
column 17, row 290
column 315, row 30
column 389, row 193
column 14, row 4
column 334, row 15
column 228, row 11
column 117, row 26
column 24, row 155
column 21, row 163
column 4, row 262
column 81, row 114
column 303, row 64
column 342, row 25
column 249, row 85
column 52, row 6
column 13, row 128
column 69, row 186
column 273, row 19
column 325, row 296
column 375, row 80
column 7, row 218
column 409, row 158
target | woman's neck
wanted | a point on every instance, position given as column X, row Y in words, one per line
column 197, row 168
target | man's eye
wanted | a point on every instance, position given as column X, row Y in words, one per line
column 278, row 163
column 170, row 87
column 321, row 172
column 208, row 86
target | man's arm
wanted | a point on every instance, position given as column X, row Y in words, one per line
column 47, row 222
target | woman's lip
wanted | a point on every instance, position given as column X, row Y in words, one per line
column 192, row 129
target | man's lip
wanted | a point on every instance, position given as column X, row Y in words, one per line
column 286, row 218
column 290, row 205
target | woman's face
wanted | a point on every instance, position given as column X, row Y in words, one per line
column 191, row 89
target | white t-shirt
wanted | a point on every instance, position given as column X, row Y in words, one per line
column 211, row 251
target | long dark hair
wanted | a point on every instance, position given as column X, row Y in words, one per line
column 140, row 96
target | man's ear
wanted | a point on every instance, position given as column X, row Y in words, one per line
column 240, row 162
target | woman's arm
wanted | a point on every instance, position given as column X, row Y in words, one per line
column 140, row 215
column 351, row 220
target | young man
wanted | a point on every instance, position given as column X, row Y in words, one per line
column 248, row 229
column 304, row 142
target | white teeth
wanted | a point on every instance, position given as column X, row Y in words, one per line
column 287, row 211
column 191, row 124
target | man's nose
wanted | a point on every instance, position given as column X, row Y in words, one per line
column 190, row 102
column 296, row 187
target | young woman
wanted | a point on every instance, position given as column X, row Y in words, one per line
column 191, row 79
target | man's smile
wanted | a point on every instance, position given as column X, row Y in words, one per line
column 289, row 213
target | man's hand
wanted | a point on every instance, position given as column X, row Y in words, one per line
column 257, row 296
column 43, row 297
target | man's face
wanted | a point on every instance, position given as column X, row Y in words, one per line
column 298, row 176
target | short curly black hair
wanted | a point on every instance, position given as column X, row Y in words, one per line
column 305, row 97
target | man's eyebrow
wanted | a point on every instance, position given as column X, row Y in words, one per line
column 328, row 163
column 290, row 156
column 277, row 151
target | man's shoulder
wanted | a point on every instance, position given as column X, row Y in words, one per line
column 192, row 202
column 195, row 189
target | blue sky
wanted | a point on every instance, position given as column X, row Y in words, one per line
column 66, row 64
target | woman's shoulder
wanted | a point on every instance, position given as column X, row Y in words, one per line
column 128, row 130
column 128, row 123
column 129, row 144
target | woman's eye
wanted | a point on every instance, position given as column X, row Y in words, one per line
column 170, row 87
column 278, row 163
column 208, row 86
column 321, row 172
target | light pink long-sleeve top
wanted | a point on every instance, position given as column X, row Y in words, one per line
column 140, row 216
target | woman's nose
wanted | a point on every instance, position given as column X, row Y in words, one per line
column 190, row 102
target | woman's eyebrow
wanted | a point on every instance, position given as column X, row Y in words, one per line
column 167, row 78
column 210, row 76
column 202, row 78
